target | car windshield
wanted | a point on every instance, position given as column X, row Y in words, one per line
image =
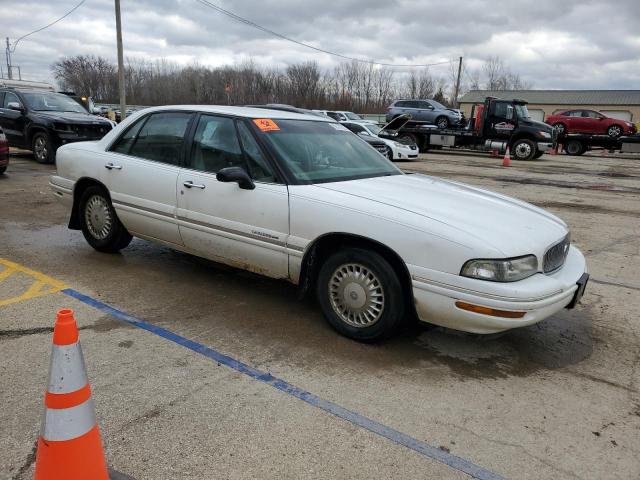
column 373, row 129
column 522, row 111
column 52, row 102
column 318, row 152
column 352, row 116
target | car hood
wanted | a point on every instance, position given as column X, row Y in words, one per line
column 73, row 117
column 536, row 124
column 475, row 217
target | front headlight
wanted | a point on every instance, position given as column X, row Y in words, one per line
column 62, row 127
column 505, row 270
column 544, row 134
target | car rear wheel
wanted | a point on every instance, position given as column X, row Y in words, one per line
column 100, row 224
column 361, row 295
column 42, row 148
column 524, row 149
column 614, row 131
column 442, row 122
column 560, row 128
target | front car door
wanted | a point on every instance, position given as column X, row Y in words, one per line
column 12, row 121
column 141, row 172
column 221, row 221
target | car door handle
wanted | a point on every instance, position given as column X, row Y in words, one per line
column 111, row 166
column 190, row 184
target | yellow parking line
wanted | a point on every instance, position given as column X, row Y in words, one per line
column 42, row 285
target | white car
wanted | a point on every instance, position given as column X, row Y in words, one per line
column 395, row 150
column 344, row 116
column 298, row 197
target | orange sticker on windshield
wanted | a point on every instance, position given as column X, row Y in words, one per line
column 266, row 124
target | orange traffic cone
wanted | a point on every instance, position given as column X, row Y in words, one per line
column 69, row 446
column 506, row 161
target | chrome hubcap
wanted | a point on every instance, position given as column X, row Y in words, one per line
column 40, row 148
column 614, row 131
column 560, row 128
column 442, row 123
column 523, row 150
column 356, row 295
column 98, row 217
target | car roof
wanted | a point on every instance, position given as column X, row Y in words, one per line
column 247, row 112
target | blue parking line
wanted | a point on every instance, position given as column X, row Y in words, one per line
column 389, row 433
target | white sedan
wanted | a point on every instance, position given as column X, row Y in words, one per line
column 395, row 150
column 300, row 198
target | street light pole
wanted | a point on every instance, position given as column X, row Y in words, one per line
column 8, row 55
column 121, row 86
column 455, row 96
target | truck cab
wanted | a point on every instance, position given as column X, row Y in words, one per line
column 506, row 123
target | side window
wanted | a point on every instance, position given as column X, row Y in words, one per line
column 161, row 137
column 333, row 115
column 215, row 145
column 425, row 105
column 575, row 113
column 10, row 97
column 401, row 104
column 1, row 98
column 500, row 110
column 354, row 127
column 258, row 166
column 123, row 144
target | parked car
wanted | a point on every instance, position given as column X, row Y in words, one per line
column 4, row 152
column 395, row 150
column 301, row 198
column 590, row 122
column 427, row 111
column 41, row 121
column 344, row 116
column 377, row 143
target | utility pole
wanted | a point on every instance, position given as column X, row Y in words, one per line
column 455, row 96
column 8, row 55
column 123, row 100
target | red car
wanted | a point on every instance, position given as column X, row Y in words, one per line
column 590, row 121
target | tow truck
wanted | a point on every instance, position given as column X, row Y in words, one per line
column 495, row 125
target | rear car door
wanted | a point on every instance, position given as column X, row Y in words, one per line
column 142, row 170
column 220, row 220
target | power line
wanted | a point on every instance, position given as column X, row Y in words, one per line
column 15, row 44
column 318, row 49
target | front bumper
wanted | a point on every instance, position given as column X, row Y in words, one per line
column 539, row 296
column 545, row 146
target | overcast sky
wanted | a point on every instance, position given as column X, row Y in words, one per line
column 550, row 43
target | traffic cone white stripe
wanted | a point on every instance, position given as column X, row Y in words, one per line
column 68, row 423
column 67, row 372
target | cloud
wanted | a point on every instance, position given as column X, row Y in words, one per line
column 551, row 44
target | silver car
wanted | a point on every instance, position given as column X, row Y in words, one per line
column 428, row 111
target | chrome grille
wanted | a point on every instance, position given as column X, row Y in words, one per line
column 554, row 257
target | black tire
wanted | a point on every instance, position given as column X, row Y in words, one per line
column 43, row 148
column 524, row 149
column 615, row 131
column 442, row 122
column 389, row 153
column 116, row 237
column 560, row 127
column 392, row 312
column 574, row 147
column 3, row 169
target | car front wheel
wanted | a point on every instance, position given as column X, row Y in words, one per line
column 442, row 122
column 614, row 131
column 560, row 128
column 100, row 224
column 361, row 295
column 389, row 153
column 42, row 148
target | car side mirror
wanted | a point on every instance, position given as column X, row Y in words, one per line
column 238, row 175
column 15, row 106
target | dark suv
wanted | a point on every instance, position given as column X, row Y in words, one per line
column 41, row 121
